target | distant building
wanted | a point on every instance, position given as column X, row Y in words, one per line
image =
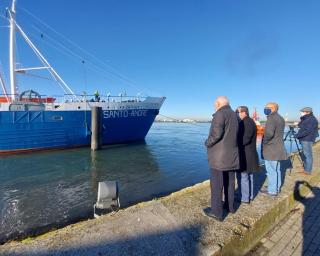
column 187, row 120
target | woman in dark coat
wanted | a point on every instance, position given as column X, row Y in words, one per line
column 248, row 156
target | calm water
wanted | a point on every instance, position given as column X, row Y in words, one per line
column 43, row 190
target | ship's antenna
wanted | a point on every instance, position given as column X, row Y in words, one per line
column 12, row 13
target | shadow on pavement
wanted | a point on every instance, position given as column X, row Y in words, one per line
column 172, row 242
column 310, row 218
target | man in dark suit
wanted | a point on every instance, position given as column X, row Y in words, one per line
column 249, row 161
column 223, row 157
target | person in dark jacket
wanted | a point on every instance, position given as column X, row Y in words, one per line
column 273, row 150
column 307, row 134
column 249, row 161
column 223, row 157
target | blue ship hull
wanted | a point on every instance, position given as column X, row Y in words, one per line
column 22, row 131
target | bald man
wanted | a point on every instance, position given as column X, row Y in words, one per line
column 223, row 157
column 273, row 150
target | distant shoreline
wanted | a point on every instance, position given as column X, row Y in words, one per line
column 181, row 121
column 207, row 121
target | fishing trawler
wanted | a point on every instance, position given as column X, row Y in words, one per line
column 30, row 121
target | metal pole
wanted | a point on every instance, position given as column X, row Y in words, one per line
column 96, row 128
column 12, row 13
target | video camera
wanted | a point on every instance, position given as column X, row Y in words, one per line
column 292, row 127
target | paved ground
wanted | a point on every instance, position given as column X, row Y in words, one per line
column 298, row 233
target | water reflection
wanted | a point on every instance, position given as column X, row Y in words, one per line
column 134, row 166
column 42, row 190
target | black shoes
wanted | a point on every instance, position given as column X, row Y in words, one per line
column 208, row 212
column 226, row 206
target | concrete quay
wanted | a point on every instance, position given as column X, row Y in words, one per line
column 296, row 234
column 176, row 224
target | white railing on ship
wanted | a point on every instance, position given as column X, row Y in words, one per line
column 58, row 99
column 102, row 98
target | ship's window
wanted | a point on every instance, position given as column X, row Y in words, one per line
column 57, row 118
column 79, row 107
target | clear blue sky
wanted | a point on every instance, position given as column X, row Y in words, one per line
column 189, row 51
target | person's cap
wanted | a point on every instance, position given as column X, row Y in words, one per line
column 306, row 109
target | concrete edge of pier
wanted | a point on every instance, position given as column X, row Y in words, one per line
column 173, row 225
column 248, row 237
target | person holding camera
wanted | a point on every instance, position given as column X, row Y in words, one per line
column 307, row 134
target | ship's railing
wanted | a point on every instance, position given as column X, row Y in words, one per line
column 101, row 98
column 8, row 98
column 58, row 99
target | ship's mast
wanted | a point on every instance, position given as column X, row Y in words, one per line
column 13, row 85
column 12, row 13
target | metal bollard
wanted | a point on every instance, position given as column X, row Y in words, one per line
column 96, row 128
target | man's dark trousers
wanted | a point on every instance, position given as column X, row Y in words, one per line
column 222, row 180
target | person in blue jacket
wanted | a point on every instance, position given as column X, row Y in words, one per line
column 307, row 134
